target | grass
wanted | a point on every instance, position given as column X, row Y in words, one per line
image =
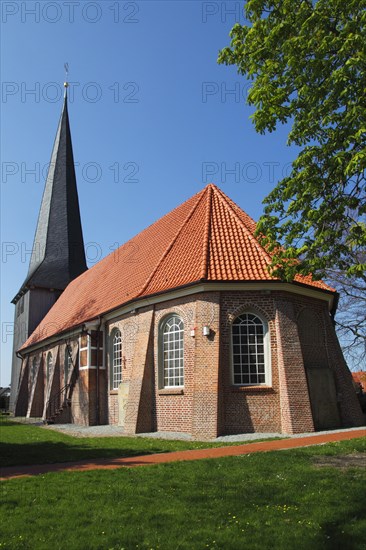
column 22, row 444
column 277, row 500
column 26, row 444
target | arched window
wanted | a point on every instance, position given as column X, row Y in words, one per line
column 67, row 364
column 250, row 350
column 172, row 332
column 49, row 366
column 116, row 360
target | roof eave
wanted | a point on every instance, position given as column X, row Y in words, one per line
column 165, row 295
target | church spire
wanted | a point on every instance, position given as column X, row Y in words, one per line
column 58, row 254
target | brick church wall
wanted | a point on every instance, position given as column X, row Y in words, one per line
column 320, row 347
column 189, row 409
column 207, row 392
column 210, row 404
column 295, row 407
column 349, row 406
column 285, row 407
column 129, row 326
column 174, row 406
column 247, row 409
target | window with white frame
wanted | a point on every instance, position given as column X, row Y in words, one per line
column 49, row 366
column 172, row 351
column 116, row 360
column 249, row 350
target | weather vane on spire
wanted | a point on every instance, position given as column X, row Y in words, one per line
column 66, row 84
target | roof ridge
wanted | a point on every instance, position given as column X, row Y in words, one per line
column 228, row 203
column 207, row 233
column 170, row 246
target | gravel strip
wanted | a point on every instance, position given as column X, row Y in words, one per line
column 115, row 431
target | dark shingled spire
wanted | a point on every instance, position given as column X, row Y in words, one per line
column 58, row 254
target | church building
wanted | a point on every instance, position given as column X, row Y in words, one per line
column 181, row 329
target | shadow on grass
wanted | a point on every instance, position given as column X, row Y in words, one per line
column 26, row 444
column 19, row 454
column 347, row 528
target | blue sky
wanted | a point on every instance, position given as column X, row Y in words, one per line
column 153, row 119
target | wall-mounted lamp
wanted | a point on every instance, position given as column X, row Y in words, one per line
column 206, row 330
column 193, row 332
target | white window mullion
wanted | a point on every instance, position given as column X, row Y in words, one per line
column 248, row 342
column 116, row 359
column 173, row 361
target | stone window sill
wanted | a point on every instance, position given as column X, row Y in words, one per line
column 171, row 391
column 113, row 392
column 252, row 389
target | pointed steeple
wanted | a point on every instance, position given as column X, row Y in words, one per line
column 58, row 254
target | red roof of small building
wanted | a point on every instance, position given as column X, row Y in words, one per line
column 360, row 378
column 207, row 238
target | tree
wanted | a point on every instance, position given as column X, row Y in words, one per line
column 307, row 61
column 350, row 320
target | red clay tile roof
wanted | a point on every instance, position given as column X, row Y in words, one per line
column 207, row 238
column 360, row 378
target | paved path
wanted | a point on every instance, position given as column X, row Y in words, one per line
column 195, row 454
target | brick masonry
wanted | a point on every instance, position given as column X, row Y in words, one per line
column 295, row 408
column 300, row 336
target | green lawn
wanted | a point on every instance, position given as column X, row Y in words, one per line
column 26, row 444
column 277, row 500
